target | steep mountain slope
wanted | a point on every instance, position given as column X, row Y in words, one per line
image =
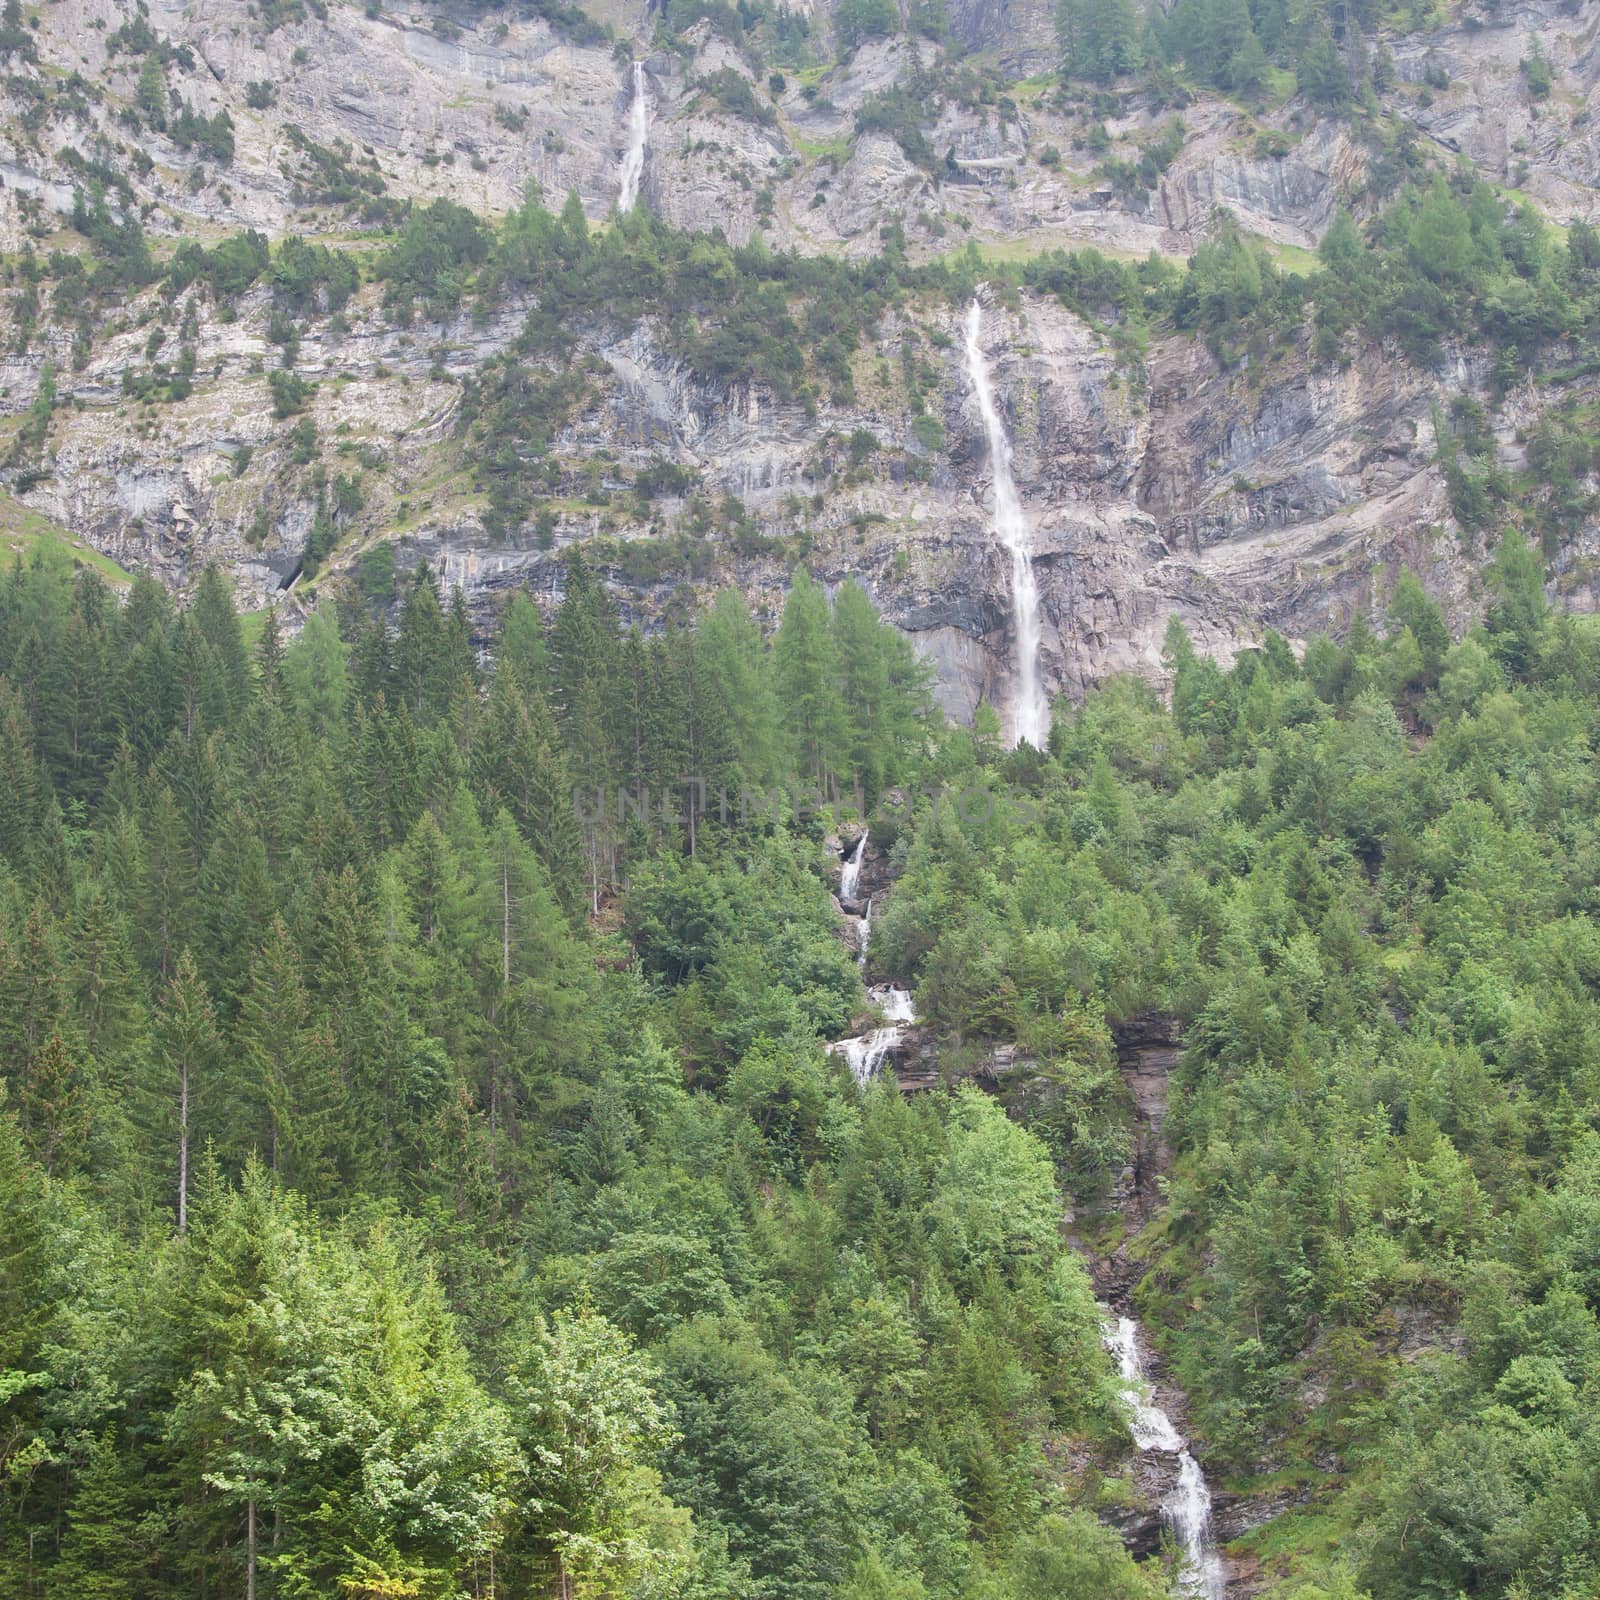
column 1282, row 489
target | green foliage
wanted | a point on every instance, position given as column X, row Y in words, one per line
column 211, row 136
column 731, row 91
column 333, row 176
column 289, row 393
column 227, row 270
column 856, row 21
column 300, row 1045
column 1536, row 72
column 433, row 259
column 1099, row 39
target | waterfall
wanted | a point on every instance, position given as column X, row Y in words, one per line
column 1187, row 1510
column 867, row 1054
column 896, row 1003
column 638, row 141
column 850, row 876
column 1030, row 713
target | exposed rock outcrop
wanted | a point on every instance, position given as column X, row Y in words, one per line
column 1283, row 495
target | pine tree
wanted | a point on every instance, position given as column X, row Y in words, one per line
column 808, row 690
column 185, row 1100
column 1099, row 38
column 421, row 651
column 738, row 663
column 218, row 623
column 105, row 1555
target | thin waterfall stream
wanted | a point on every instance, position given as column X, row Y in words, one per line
column 1187, row 1509
column 638, row 141
column 866, row 1054
column 850, row 873
column 1030, row 712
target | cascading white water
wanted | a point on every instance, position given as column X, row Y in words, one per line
column 896, row 1003
column 1188, row 1508
column 850, row 874
column 1030, row 712
column 866, row 1055
column 638, row 141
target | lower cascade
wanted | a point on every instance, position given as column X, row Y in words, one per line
column 1187, row 1510
column 866, row 1055
column 1030, row 715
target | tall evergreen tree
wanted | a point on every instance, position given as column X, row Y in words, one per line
column 1099, row 38
column 737, row 661
column 218, row 623
column 520, row 765
column 185, row 1103
column 807, row 679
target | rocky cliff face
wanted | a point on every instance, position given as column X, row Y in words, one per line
column 1284, row 494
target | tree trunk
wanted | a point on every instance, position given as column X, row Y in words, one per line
column 183, row 1148
column 250, row 1550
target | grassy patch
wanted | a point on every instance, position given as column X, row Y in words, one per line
column 836, row 149
column 1035, row 87
column 1291, row 258
column 27, row 534
column 1305, row 1541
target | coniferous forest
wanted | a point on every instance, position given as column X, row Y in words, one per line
column 416, row 1183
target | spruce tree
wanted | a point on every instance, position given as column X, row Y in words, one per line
column 1099, row 38
column 864, row 687
column 520, row 765
column 106, row 1554
column 807, row 677
column 519, row 651
column 185, row 1095
column 421, row 651
column 218, row 623
column 739, row 665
